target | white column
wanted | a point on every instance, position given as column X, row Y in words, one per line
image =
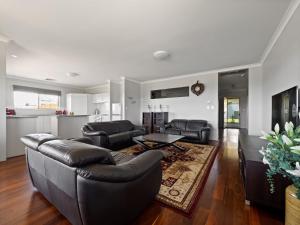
column 2, row 100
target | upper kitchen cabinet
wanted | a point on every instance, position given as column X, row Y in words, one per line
column 100, row 98
column 77, row 103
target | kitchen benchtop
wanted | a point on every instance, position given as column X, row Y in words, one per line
column 36, row 116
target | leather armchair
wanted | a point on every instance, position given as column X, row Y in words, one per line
column 88, row 184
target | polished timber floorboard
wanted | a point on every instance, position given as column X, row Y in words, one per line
column 221, row 202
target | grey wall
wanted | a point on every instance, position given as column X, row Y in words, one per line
column 281, row 69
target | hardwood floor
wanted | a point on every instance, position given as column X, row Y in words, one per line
column 221, row 202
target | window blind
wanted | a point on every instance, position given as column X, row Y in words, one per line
column 36, row 90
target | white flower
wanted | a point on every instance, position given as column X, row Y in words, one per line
column 265, row 161
column 295, row 172
column 291, row 124
column 286, row 140
column 262, row 152
column 277, row 128
column 287, row 127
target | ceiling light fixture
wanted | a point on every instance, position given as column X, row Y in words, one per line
column 50, row 79
column 161, row 55
column 14, row 56
column 72, row 74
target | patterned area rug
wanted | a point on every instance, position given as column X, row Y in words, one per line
column 184, row 173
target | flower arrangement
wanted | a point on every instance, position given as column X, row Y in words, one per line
column 283, row 154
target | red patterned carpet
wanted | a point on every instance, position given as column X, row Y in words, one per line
column 184, row 173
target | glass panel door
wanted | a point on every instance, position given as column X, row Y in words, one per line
column 232, row 112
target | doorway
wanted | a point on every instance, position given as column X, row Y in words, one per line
column 233, row 99
column 231, row 112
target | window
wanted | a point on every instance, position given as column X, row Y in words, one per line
column 35, row 98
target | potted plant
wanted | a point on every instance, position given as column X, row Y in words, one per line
column 282, row 154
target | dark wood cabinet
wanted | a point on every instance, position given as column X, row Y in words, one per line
column 152, row 121
column 253, row 172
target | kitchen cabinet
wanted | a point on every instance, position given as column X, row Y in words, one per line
column 77, row 103
column 100, row 98
column 17, row 127
column 43, row 124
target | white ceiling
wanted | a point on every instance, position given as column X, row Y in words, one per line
column 108, row 39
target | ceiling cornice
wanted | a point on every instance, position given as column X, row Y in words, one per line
column 203, row 73
column 280, row 28
column 44, row 82
column 3, row 38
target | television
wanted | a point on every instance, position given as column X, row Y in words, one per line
column 285, row 107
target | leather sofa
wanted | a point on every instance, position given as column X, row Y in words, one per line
column 113, row 135
column 90, row 185
column 197, row 131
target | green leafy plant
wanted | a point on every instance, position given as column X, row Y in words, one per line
column 282, row 154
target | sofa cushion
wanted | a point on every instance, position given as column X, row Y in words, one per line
column 195, row 125
column 178, row 124
column 108, row 127
column 33, row 141
column 119, row 138
column 123, row 125
column 173, row 131
column 190, row 133
column 75, row 154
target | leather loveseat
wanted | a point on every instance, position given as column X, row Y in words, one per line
column 112, row 135
column 193, row 130
column 91, row 185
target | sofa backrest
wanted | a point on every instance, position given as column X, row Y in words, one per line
column 178, row 124
column 195, row 125
column 76, row 154
column 112, row 127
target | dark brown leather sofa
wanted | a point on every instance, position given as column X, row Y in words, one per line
column 113, row 135
column 193, row 130
column 91, row 185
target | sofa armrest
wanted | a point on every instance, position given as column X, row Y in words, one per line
column 124, row 172
column 204, row 134
column 137, row 127
column 93, row 133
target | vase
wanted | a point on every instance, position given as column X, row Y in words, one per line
column 292, row 206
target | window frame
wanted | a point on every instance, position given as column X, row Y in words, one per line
column 38, row 92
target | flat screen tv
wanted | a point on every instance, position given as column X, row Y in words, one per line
column 285, row 107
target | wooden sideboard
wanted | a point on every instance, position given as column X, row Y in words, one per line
column 152, row 121
column 253, row 172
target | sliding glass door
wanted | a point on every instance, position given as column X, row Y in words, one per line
column 231, row 112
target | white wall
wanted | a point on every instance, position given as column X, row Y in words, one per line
column 2, row 101
column 14, row 81
column 255, row 101
column 192, row 107
column 281, row 69
column 131, row 100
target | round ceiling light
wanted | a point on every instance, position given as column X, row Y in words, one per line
column 50, row 79
column 72, row 74
column 161, row 55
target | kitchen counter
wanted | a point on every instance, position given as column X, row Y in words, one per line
column 16, row 117
column 35, row 116
column 64, row 126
